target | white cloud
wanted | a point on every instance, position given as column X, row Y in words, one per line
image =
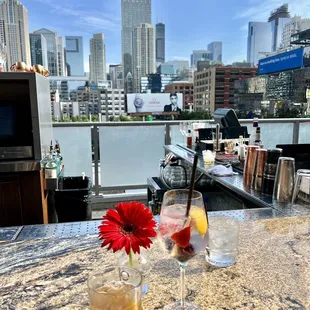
column 260, row 11
column 178, row 58
column 98, row 21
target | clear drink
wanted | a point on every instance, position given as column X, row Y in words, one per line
column 183, row 235
column 222, row 241
column 173, row 220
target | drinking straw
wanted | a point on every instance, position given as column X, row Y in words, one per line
column 192, row 184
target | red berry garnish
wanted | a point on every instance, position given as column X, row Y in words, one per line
column 182, row 237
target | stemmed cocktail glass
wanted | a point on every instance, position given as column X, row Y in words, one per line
column 183, row 235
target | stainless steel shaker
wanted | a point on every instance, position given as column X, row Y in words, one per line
column 284, row 181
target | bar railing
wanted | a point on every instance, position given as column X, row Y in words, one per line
column 122, row 155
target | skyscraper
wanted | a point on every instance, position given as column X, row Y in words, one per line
column 160, row 43
column 178, row 65
column 116, row 75
column 74, row 56
column 55, row 52
column 278, row 19
column 297, row 24
column 259, row 41
column 97, row 59
column 216, row 49
column 61, row 59
column 143, row 53
column 200, row 55
column 14, row 31
column 134, row 12
column 38, row 49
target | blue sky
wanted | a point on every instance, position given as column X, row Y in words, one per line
column 189, row 24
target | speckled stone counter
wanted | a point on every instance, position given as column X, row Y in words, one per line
column 272, row 272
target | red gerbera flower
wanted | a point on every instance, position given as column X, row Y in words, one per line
column 130, row 226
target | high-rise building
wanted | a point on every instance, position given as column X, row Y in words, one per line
column 215, row 48
column 278, row 19
column 38, row 49
column 259, row 41
column 143, row 53
column 160, row 43
column 178, row 65
column 214, row 87
column 116, row 76
column 200, row 55
column 61, row 58
column 97, row 59
column 14, row 31
column 134, row 12
column 74, row 56
column 55, row 52
column 165, row 69
column 112, row 103
column 156, row 83
column 297, row 24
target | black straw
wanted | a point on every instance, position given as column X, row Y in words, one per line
column 192, row 184
column 206, row 210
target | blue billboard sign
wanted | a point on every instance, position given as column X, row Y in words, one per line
column 281, row 62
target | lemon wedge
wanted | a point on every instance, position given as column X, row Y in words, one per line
column 199, row 220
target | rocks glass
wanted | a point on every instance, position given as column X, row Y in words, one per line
column 222, row 241
column 115, row 288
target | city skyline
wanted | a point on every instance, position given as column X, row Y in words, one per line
column 75, row 18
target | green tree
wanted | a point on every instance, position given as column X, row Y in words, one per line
column 195, row 115
column 95, row 118
column 84, row 118
column 66, row 119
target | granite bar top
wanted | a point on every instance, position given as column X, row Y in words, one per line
column 272, row 271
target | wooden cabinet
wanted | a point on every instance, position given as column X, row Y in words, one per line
column 11, row 209
column 22, row 199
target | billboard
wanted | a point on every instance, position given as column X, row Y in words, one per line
column 306, row 56
column 281, row 62
column 154, row 103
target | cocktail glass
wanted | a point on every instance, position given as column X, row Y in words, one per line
column 115, row 288
column 181, row 235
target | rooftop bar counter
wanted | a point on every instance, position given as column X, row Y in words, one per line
column 50, row 272
column 235, row 185
column 47, row 266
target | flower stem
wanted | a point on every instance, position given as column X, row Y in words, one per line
column 130, row 258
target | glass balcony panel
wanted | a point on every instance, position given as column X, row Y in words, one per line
column 76, row 149
column 304, row 130
column 176, row 136
column 129, row 155
column 274, row 133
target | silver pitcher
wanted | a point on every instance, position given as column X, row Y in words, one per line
column 284, row 181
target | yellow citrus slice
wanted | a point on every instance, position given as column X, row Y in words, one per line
column 199, row 220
